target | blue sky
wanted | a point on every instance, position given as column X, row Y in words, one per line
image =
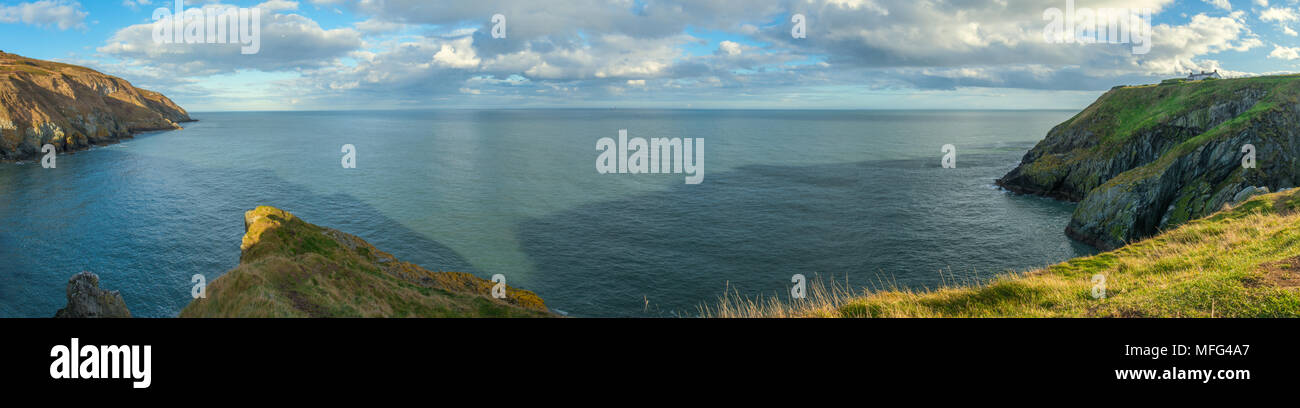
column 857, row 54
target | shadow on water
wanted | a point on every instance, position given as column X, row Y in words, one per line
column 753, row 228
column 146, row 225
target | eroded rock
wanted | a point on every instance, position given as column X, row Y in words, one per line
column 87, row 300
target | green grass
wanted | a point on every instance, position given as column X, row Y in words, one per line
column 1123, row 112
column 291, row 268
column 1239, row 262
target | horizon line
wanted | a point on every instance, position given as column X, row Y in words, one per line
column 648, row 108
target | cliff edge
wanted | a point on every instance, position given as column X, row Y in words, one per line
column 72, row 108
column 290, row 268
column 1145, row 159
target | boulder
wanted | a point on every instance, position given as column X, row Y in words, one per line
column 1248, row 192
column 87, row 300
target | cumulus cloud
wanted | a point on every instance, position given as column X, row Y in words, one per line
column 421, row 50
column 1278, row 14
column 288, row 42
column 64, row 14
column 1286, row 53
column 1177, row 47
column 729, row 48
column 457, row 54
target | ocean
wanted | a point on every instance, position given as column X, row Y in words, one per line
column 857, row 197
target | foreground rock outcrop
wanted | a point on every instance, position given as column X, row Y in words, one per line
column 87, row 300
column 73, row 108
column 1144, row 159
column 290, row 268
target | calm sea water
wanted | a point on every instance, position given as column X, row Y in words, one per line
column 845, row 195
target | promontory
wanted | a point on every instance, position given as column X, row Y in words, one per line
column 73, row 108
column 1145, row 159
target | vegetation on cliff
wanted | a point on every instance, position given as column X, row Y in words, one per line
column 1241, row 262
column 72, row 108
column 290, row 268
column 1147, row 158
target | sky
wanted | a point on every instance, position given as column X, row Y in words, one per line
column 723, row 54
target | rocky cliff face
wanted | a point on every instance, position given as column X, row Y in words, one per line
column 72, row 108
column 87, row 300
column 290, row 268
column 1144, row 159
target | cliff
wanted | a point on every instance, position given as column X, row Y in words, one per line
column 1144, row 159
column 72, row 108
column 290, row 268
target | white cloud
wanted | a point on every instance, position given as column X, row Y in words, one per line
column 1278, row 14
column 288, row 42
column 416, row 49
column 1176, row 47
column 457, row 54
column 729, row 48
column 64, row 14
column 1286, row 53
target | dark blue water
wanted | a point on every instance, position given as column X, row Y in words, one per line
column 836, row 194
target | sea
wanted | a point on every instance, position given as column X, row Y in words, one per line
column 861, row 199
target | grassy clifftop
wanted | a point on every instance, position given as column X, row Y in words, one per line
column 290, row 268
column 1243, row 261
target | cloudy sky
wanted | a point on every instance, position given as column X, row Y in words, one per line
column 857, row 54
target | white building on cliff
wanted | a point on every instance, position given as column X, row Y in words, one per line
column 1204, row 75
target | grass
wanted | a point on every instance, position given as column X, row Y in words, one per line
column 1243, row 261
column 291, row 268
column 1123, row 112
